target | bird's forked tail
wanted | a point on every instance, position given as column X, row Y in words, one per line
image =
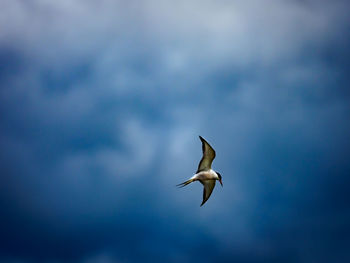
column 185, row 183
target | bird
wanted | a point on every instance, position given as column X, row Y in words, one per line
column 205, row 175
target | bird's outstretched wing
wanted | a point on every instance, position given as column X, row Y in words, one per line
column 208, row 156
column 207, row 189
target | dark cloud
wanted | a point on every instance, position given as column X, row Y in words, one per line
column 101, row 105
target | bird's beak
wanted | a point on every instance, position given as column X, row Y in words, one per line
column 221, row 183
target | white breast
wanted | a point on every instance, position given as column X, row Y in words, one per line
column 206, row 175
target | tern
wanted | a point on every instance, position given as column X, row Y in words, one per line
column 205, row 175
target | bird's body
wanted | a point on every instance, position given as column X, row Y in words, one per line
column 205, row 175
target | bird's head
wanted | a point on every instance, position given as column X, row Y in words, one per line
column 220, row 178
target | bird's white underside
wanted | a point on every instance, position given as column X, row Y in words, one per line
column 205, row 175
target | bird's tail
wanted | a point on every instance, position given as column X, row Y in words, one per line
column 185, row 183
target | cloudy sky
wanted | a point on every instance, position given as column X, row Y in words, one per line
column 101, row 105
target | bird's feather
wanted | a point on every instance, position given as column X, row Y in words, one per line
column 208, row 189
column 208, row 156
column 185, row 183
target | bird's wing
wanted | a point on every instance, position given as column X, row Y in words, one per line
column 208, row 189
column 208, row 156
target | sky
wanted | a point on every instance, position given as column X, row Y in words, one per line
column 101, row 105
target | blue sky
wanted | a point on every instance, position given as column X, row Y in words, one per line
column 101, row 105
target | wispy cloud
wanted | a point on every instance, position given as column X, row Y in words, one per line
column 101, row 104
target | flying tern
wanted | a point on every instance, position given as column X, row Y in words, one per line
column 205, row 175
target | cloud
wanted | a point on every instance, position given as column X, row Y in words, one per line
column 101, row 105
